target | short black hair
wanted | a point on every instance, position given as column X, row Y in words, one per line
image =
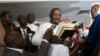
column 4, row 13
column 30, row 14
column 19, row 17
column 52, row 11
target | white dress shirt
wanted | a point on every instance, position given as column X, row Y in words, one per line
column 88, row 23
column 32, row 26
column 55, row 49
column 23, row 32
column 38, row 36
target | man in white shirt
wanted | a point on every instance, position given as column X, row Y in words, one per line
column 25, row 31
column 31, row 22
column 56, row 49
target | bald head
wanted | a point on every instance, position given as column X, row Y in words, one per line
column 14, row 39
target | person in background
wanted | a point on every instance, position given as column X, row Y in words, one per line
column 66, row 20
column 93, row 12
column 6, row 20
column 2, row 33
column 31, row 22
column 6, row 26
column 14, row 44
column 87, row 23
column 30, row 48
column 56, row 48
column 25, row 31
column 77, row 40
column 93, row 36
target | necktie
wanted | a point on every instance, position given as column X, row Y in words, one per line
column 24, row 33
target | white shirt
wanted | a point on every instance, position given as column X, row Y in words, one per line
column 88, row 24
column 23, row 32
column 58, row 50
column 33, row 27
column 55, row 49
column 16, row 49
column 38, row 36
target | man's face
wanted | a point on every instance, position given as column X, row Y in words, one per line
column 23, row 20
column 8, row 18
column 31, row 18
column 56, row 16
column 94, row 10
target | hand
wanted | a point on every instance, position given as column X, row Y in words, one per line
column 55, row 39
column 48, row 34
column 67, row 42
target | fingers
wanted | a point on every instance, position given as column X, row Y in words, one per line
column 49, row 31
column 48, row 34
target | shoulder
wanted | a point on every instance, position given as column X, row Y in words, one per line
column 8, row 52
column 45, row 24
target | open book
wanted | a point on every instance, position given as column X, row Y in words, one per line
column 65, row 30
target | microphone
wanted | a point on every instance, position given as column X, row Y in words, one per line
column 53, row 26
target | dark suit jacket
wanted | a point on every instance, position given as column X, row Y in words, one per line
column 9, row 52
column 29, row 47
column 28, row 30
column 42, row 51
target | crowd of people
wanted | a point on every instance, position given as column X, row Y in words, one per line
column 31, row 38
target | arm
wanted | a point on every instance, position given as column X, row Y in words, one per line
column 75, row 49
column 38, row 36
column 44, row 47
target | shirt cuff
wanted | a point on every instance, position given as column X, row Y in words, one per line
column 72, row 45
column 45, row 40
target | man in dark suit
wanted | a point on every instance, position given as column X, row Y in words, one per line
column 25, row 31
column 14, row 44
column 30, row 49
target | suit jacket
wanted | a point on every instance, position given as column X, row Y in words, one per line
column 29, row 47
column 42, row 51
column 28, row 30
column 9, row 52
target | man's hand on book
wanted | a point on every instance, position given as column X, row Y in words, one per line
column 67, row 42
column 55, row 39
column 48, row 34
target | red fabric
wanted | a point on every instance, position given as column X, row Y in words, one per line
column 65, row 20
column 76, row 47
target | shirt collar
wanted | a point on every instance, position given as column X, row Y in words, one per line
column 16, row 49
